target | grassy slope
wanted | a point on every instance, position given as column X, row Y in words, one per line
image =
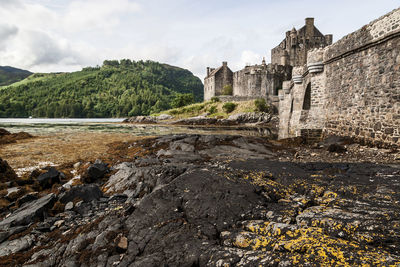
column 9, row 75
column 202, row 108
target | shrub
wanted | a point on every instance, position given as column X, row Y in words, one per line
column 215, row 99
column 229, row 107
column 261, row 105
column 212, row 109
column 227, row 90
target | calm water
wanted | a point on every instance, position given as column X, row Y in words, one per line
column 49, row 126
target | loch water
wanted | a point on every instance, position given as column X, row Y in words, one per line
column 49, row 126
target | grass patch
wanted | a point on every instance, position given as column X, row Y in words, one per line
column 213, row 109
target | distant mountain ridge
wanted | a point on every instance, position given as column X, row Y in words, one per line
column 116, row 89
column 10, row 75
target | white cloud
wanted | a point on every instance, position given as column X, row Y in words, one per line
column 65, row 35
column 249, row 57
column 6, row 32
column 97, row 14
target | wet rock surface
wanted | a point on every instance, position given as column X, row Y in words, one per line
column 216, row 200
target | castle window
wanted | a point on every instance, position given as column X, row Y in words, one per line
column 291, row 106
column 307, row 98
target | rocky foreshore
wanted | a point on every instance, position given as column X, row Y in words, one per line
column 208, row 200
column 254, row 118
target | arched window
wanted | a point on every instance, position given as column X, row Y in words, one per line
column 307, row 98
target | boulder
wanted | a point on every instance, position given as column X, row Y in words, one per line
column 27, row 198
column 86, row 193
column 29, row 212
column 12, row 231
column 163, row 117
column 6, row 172
column 47, row 179
column 251, row 117
column 95, row 171
column 334, row 143
column 141, row 119
column 16, row 245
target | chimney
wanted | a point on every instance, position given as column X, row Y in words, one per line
column 208, row 71
column 225, row 64
column 329, row 39
column 310, row 27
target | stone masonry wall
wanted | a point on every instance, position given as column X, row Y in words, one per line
column 363, row 83
column 355, row 87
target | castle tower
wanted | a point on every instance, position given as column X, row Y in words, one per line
column 293, row 37
column 285, row 58
column 309, row 27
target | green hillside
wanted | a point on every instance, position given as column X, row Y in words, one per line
column 9, row 75
column 117, row 89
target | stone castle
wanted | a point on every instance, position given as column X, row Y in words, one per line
column 348, row 88
column 266, row 79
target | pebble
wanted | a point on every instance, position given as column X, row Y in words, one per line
column 69, row 206
column 59, row 223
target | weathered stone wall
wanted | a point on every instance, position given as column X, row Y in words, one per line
column 250, row 81
column 260, row 80
column 363, row 83
column 229, row 98
column 355, row 87
column 209, row 88
column 216, row 80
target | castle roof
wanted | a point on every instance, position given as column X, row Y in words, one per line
column 215, row 71
column 302, row 31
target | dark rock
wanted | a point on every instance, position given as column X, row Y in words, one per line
column 6, row 172
column 47, row 179
column 43, row 227
column 95, row 171
column 336, row 148
column 334, row 139
column 200, row 120
column 29, row 212
column 12, row 231
column 86, row 193
column 118, row 197
column 27, row 198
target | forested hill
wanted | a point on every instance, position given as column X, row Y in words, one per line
column 9, row 75
column 116, row 89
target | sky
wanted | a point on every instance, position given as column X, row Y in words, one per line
column 61, row 35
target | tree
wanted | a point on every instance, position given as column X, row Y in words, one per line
column 181, row 100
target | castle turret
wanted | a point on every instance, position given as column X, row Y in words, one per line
column 285, row 58
column 287, row 40
column 293, row 37
column 310, row 27
column 329, row 39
